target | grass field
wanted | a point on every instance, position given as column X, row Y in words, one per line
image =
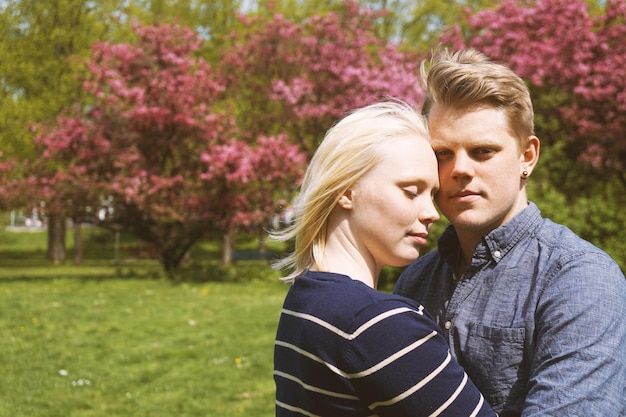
column 104, row 340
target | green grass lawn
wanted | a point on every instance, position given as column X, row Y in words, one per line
column 112, row 340
column 112, row 347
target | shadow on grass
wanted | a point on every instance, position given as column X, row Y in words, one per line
column 10, row 258
column 23, row 256
column 22, row 266
column 214, row 271
column 29, row 268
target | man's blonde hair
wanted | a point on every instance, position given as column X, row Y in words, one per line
column 468, row 80
column 349, row 151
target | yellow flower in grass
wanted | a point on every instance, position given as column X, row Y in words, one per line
column 239, row 362
column 242, row 362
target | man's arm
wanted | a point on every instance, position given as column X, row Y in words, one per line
column 579, row 366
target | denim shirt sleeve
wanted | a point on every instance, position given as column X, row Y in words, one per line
column 579, row 364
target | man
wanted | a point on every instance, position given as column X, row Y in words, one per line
column 535, row 314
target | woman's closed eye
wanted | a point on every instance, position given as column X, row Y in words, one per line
column 411, row 192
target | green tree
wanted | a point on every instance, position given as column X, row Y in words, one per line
column 211, row 19
column 418, row 23
column 422, row 22
column 40, row 43
column 41, row 46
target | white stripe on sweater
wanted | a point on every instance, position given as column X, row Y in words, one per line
column 452, row 397
column 478, row 407
column 415, row 387
column 302, row 411
column 365, row 372
column 357, row 332
column 295, row 409
column 315, row 389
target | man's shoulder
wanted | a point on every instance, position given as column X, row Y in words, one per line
column 426, row 261
column 562, row 239
column 421, row 270
column 563, row 250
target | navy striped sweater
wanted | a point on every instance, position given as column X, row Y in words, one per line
column 345, row 349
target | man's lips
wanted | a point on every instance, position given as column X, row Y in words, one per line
column 465, row 196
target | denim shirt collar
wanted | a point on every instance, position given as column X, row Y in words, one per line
column 497, row 243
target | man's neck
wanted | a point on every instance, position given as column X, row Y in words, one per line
column 467, row 244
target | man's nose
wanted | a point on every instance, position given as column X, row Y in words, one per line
column 462, row 165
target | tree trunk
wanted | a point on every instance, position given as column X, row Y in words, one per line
column 78, row 243
column 227, row 249
column 262, row 239
column 116, row 247
column 56, row 239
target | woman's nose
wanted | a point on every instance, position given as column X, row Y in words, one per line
column 429, row 214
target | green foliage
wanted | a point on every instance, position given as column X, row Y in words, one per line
column 41, row 44
column 586, row 200
column 421, row 23
column 596, row 215
column 212, row 19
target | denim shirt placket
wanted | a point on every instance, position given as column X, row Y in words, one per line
column 469, row 281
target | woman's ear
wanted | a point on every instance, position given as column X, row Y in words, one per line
column 345, row 201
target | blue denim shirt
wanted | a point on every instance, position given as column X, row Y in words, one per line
column 538, row 320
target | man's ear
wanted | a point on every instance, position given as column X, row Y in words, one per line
column 530, row 154
column 345, row 201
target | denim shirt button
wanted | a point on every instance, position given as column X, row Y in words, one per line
column 448, row 325
column 497, row 254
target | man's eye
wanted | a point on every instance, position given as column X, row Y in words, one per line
column 442, row 154
column 484, row 152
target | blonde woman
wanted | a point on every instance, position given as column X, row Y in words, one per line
column 342, row 347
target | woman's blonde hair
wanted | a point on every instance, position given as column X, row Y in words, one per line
column 347, row 153
column 467, row 79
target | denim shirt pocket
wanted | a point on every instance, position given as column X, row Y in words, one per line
column 494, row 359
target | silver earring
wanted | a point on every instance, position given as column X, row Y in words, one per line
column 525, row 174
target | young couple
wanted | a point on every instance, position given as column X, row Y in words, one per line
column 513, row 314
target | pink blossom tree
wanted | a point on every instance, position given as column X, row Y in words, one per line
column 298, row 78
column 575, row 63
column 179, row 149
column 8, row 184
column 158, row 148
